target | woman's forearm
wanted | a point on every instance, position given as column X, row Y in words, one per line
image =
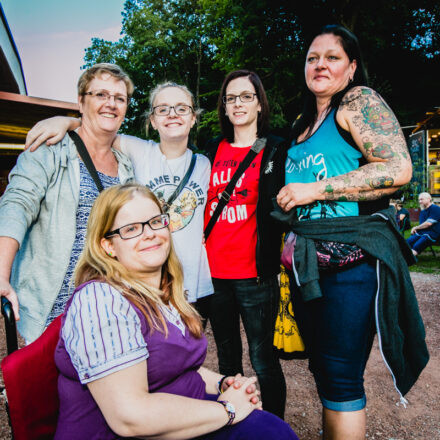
column 369, row 182
column 211, row 380
column 162, row 417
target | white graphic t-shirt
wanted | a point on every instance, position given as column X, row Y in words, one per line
column 162, row 176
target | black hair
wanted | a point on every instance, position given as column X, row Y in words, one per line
column 350, row 44
column 226, row 126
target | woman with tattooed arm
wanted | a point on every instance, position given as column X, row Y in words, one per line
column 348, row 154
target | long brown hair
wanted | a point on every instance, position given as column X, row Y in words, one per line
column 226, row 126
column 96, row 264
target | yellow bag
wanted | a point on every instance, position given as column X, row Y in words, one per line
column 287, row 339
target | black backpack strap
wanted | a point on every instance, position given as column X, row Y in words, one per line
column 182, row 184
column 258, row 145
column 85, row 156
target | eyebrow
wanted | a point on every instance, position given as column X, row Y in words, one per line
column 178, row 103
column 244, row 91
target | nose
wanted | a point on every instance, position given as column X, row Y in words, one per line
column 111, row 101
column 321, row 64
column 174, row 110
column 148, row 232
column 237, row 101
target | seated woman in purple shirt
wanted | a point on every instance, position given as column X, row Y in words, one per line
column 131, row 347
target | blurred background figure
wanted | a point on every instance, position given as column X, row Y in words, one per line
column 428, row 230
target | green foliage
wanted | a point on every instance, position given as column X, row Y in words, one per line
column 197, row 42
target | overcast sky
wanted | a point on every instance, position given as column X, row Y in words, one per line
column 51, row 36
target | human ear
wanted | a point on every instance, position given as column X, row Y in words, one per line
column 152, row 122
column 108, row 247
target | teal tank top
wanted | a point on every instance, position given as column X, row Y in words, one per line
column 327, row 153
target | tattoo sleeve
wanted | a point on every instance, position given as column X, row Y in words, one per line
column 377, row 133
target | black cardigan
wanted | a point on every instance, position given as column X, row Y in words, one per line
column 267, row 252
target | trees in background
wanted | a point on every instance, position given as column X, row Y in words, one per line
column 196, row 42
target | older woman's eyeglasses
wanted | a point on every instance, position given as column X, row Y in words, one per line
column 133, row 230
column 179, row 110
column 103, row 95
column 244, row 97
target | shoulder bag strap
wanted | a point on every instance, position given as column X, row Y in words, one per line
column 258, row 145
column 85, row 156
column 182, row 184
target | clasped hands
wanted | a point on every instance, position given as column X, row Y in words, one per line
column 249, row 384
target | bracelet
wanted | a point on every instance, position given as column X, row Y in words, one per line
column 220, row 384
column 230, row 410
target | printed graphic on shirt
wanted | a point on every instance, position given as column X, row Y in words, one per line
column 236, row 210
column 233, row 240
column 182, row 210
column 315, row 166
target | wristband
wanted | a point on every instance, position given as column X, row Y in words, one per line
column 220, row 384
column 230, row 409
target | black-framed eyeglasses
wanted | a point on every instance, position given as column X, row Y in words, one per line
column 133, row 230
column 103, row 95
column 244, row 97
column 165, row 110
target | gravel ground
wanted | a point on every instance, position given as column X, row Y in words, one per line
column 387, row 420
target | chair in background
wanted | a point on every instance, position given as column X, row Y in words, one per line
column 31, row 380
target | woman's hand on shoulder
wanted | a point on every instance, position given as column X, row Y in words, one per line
column 50, row 131
column 243, row 401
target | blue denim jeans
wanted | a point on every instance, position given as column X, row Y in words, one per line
column 256, row 303
column 419, row 242
column 338, row 331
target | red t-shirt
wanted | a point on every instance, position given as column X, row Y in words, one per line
column 233, row 239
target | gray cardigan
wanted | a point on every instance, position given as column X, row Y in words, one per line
column 38, row 209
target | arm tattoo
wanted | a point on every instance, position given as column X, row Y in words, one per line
column 378, row 134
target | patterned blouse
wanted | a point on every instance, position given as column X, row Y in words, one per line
column 88, row 192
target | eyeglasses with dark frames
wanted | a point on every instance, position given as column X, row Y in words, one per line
column 244, row 97
column 133, row 230
column 179, row 110
column 103, row 95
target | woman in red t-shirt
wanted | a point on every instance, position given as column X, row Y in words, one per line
column 243, row 247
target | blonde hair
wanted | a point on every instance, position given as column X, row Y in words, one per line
column 96, row 264
column 99, row 69
column 158, row 89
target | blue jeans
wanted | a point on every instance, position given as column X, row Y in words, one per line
column 257, row 304
column 338, row 331
column 419, row 242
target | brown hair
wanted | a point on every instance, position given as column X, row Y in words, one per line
column 99, row 69
column 226, row 126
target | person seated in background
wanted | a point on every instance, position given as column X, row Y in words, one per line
column 131, row 347
column 428, row 231
column 44, row 210
column 402, row 217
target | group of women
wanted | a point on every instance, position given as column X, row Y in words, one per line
column 129, row 315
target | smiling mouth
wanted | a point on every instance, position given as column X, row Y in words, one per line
column 108, row 115
column 150, row 248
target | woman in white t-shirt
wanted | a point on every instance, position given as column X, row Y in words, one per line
column 162, row 166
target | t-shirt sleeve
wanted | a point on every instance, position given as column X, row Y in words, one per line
column 134, row 147
column 206, row 167
column 102, row 332
column 434, row 215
